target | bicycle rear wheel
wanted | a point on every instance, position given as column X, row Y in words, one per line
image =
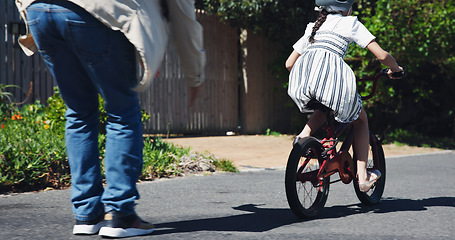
column 306, row 194
column 376, row 161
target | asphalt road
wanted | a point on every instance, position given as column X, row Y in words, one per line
column 418, row 203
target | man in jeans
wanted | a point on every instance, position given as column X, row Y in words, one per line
column 91, row 47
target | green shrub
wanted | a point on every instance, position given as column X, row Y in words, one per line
column 33, row 154
column 225, row 165
column 161, row 158
column 269, row 132
column 412, row 138
column 6, row 102
column 421, row 36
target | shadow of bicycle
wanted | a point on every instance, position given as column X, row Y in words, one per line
column 260, row 219
column 388, row 205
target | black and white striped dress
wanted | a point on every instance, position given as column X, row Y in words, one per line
column 320, row 72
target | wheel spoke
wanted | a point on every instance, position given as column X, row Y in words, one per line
column 305, row 198
column 307, row 191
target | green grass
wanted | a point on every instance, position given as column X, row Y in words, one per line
column 161, row 159
column 225, row 165
column 269, row 132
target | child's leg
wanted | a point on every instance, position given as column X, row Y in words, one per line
column 315, row 121
column 361, row 145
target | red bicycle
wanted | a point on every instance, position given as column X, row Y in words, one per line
column 312, row 162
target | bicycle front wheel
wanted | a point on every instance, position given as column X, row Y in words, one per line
column 376, row 161
column 306, row 194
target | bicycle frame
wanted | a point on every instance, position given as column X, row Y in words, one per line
column 340, row 161
column 312, row 161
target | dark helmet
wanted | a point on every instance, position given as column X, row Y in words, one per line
column 336, row 5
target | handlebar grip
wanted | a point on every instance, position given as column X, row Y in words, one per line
column 399, row 74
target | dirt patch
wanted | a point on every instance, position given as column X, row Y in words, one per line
column 259, row 151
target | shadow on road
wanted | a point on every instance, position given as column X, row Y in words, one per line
column 264, row 219
column 388, row 205
column 258, row 220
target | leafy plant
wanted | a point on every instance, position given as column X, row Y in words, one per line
column 6, row 102
column 160, row 158
column 421, row 35
column 225, row 165
column 54, row 112
column 269, row 132
column 412, row 138
column 277, row 20
column 32, row 153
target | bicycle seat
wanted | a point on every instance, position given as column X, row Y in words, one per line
column 314, row 104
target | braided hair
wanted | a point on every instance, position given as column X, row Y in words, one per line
column 321, row 19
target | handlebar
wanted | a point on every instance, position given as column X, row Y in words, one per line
column 375, row 78
column 399, row 74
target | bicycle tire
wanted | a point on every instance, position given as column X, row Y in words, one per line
column 377, row 161
column 304, row 198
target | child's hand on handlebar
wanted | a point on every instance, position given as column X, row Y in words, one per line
column 395, row 74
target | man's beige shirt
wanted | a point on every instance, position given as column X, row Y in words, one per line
column 143, row 24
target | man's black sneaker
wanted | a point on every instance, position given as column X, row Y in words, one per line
column 88, row 227
column 118, row 225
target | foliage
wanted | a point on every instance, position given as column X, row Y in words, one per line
column 405, row 137
column 33, row 154
column 268, row 132
column 282, row 22
column 54, row 112
column 277, row 20
column 161, row 158
column 225, row 165
column 420, row 34
column 422, row 38
column 6, row 101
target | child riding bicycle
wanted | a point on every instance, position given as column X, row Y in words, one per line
column 318, row 72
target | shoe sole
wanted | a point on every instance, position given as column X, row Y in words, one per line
column 121, row 232
column 378, row 174
column 87, row 229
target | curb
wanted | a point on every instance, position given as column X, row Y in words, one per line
column 257, row 169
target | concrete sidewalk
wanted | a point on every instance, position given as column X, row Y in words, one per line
column 260, row 151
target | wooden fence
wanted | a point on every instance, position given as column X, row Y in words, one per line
column 262, row 96
column 247, row 101
column 216, row 109
column 29, row 73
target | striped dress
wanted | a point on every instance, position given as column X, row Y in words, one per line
column 320, row 73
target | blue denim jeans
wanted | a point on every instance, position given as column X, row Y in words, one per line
column 86, row 58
